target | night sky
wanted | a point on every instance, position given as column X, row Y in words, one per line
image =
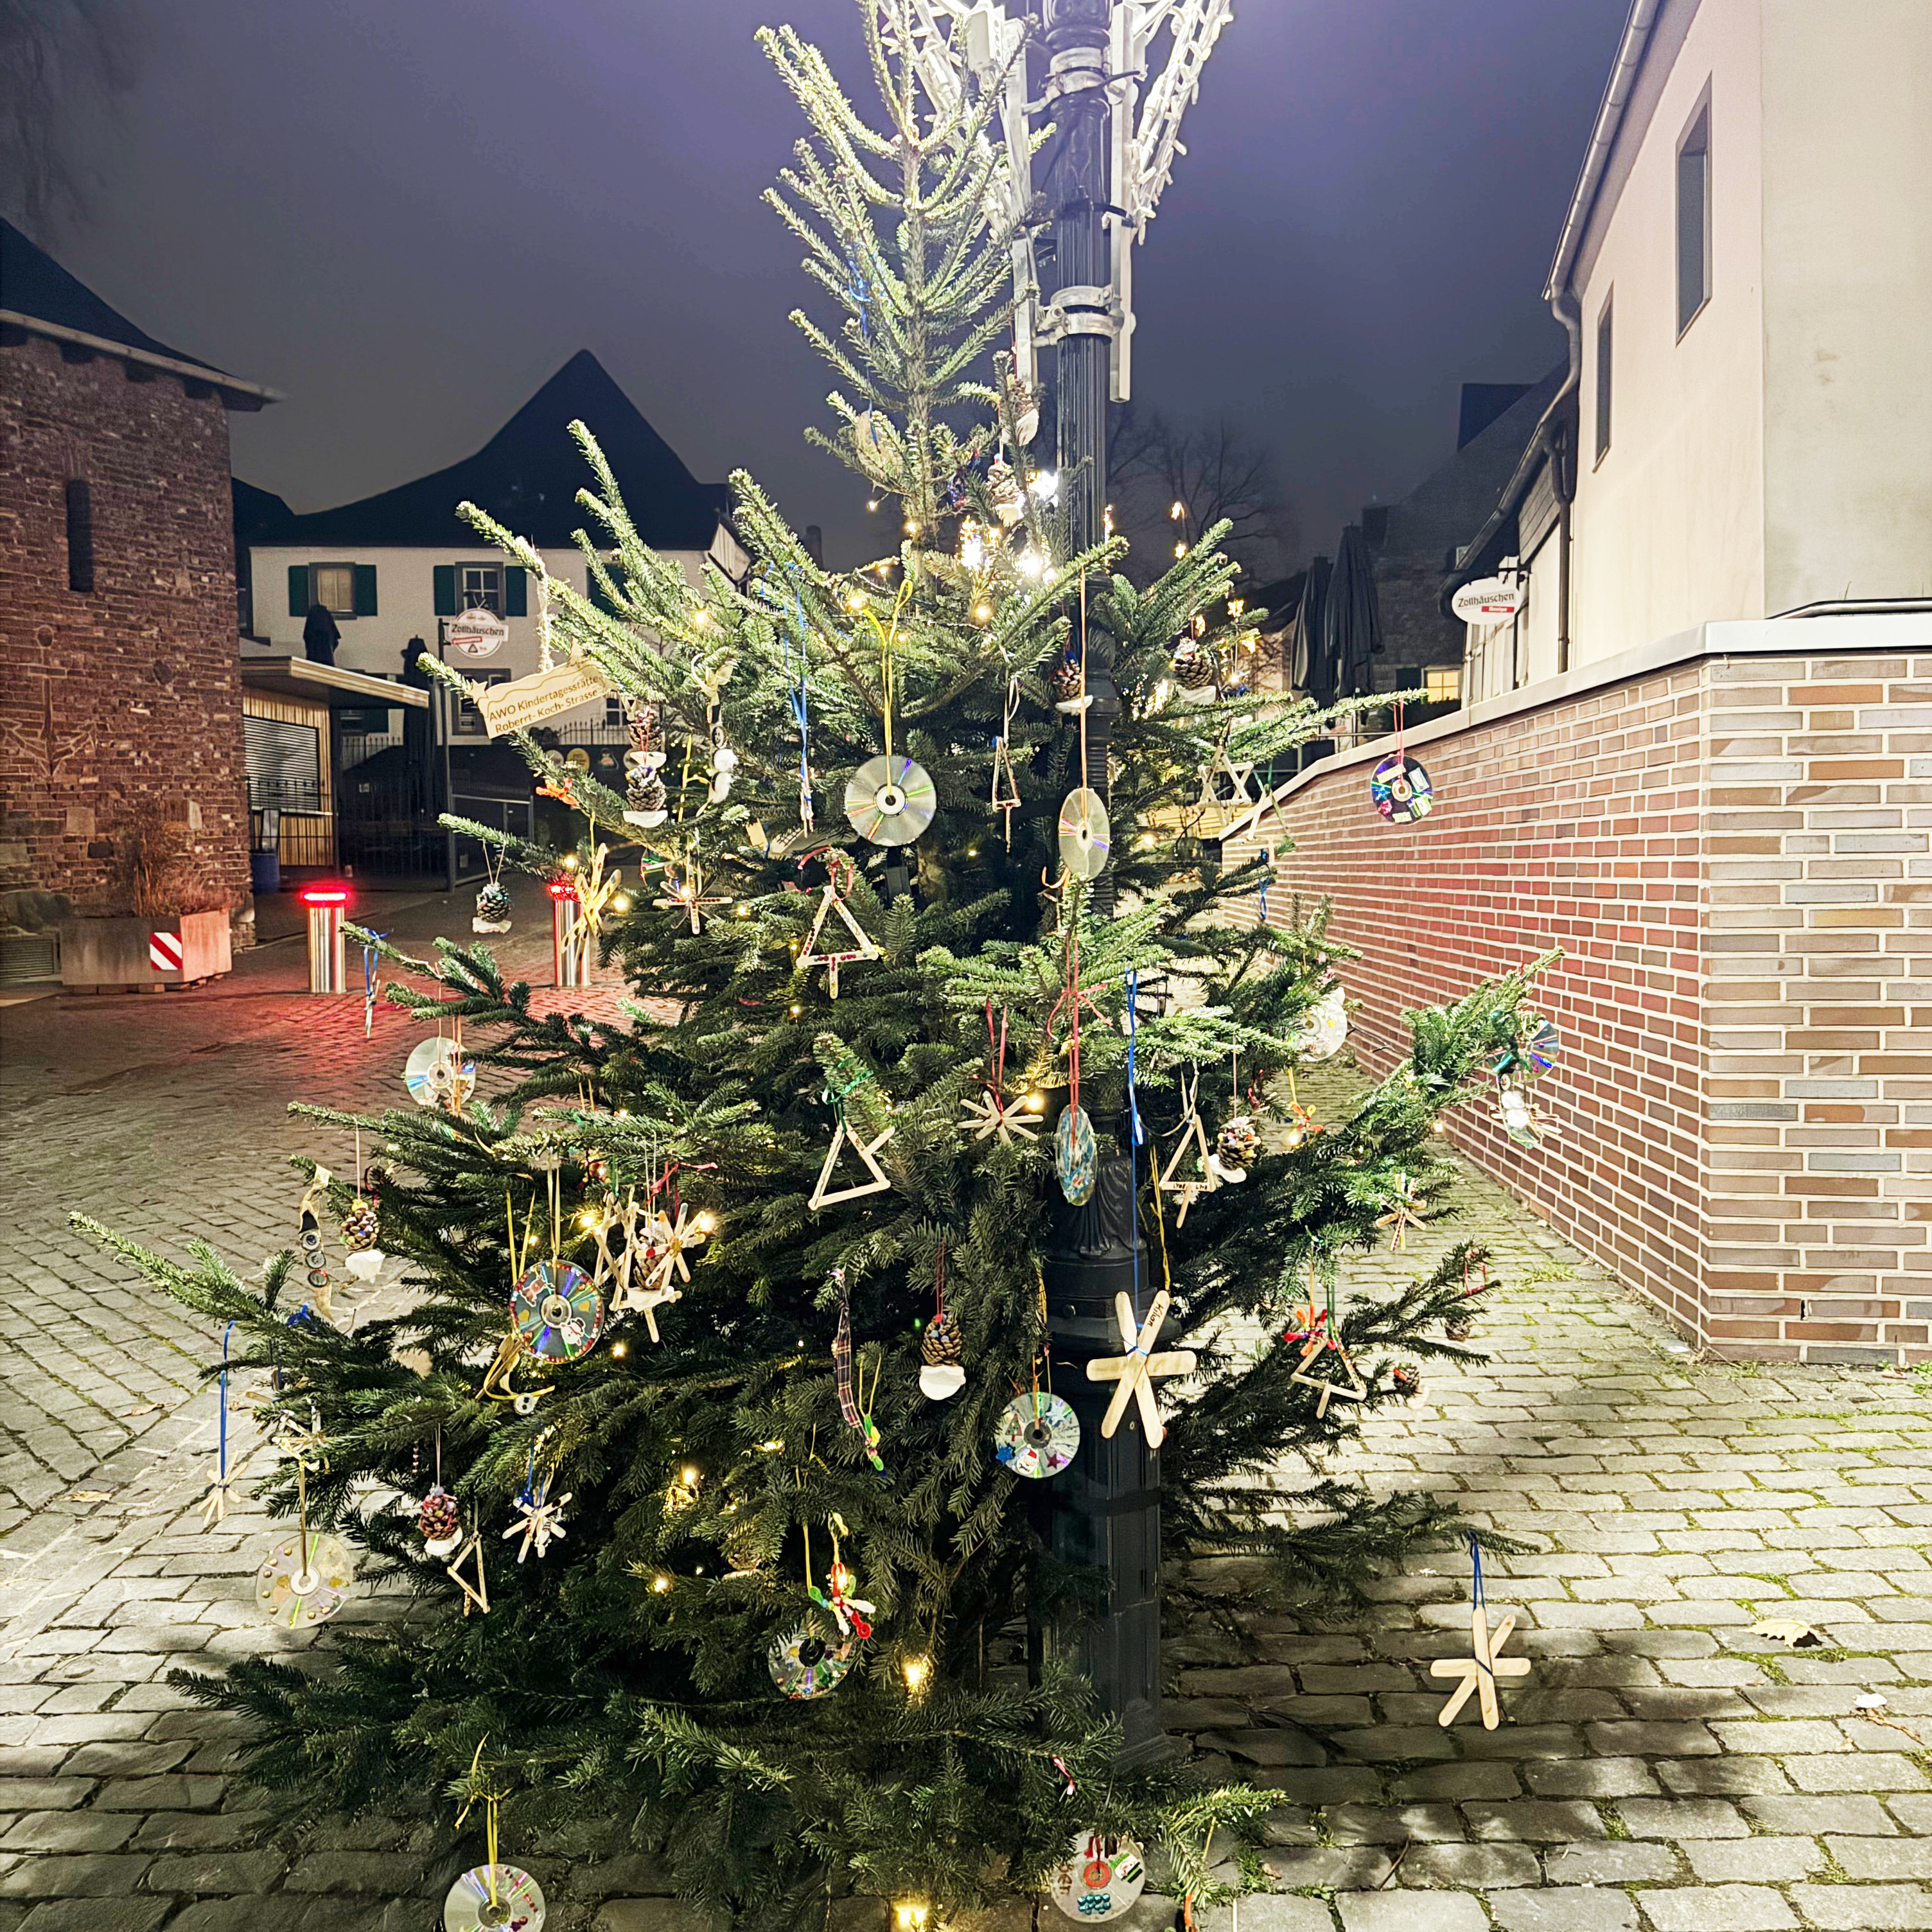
column 405, row 217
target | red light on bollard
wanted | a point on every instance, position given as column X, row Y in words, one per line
column 325, row 901
column 561, row 889
column 324, row 896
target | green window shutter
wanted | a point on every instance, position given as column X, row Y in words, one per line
column 446, row 590
column 298, row 590
column 516, row 591
column 365, row 590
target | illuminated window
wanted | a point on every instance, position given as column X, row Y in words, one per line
column 1442, row 683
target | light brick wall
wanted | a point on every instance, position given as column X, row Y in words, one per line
column 135, row 689
column 1733, row 853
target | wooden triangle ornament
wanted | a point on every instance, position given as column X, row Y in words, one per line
column 880, row 1182
column 1354, row 1389
column 477, row 1595
column 1193, row 1139
column 831, row 900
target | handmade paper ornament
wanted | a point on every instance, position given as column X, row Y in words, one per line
column 308, row 1244
column 440, row 1522
column 557, row 1312
column 1399, row 789
column 1101, row 1878
column 804, row 1666
column 857, row 1417
column 494, row 1898
column 1036, row 1435
column 493, row 909
column 1197, row 672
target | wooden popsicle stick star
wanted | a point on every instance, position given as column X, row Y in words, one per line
column 1354, row 1389
column 1133, row 1372
column 1479, row 1672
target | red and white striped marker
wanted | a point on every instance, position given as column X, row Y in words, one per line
column 164, row 952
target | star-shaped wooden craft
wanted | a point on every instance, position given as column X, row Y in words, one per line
column 1132, row 1373
column 688, row 891
column 989, row 1112
column 542, row 1519
column 670, row 1236
column 1479, row 1671
column 1408, row 1208
column 1239, row 777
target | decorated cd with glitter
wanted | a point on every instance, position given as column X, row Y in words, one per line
column 1101, row 1877
column 1400, row 790
column 891, row 801
column 804, row 1666
column 1085, row 836
column 557, row 1312
column 494, row 1898
column 437, row 1076
column 299, row 1594
column 1036, row 1435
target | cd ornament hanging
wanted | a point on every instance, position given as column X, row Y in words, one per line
column 1086, row 838
column 1036, row 1435
column 804, row 1666
column 1323, row 1027
column 494, row 1898
column 1399, row 789
column 891, row 800
column 1101, row 1877
column 557, row 1311
column 437, row 1075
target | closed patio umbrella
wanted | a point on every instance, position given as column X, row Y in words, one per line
column 1351, row 617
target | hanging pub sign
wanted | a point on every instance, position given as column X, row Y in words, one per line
column 1488, row 600
column 478, row 632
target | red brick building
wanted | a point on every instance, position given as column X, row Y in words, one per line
column 120, row 681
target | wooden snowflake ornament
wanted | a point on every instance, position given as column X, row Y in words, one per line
column 1133, row 1372
column 989, row 1112
column 1352, row 1389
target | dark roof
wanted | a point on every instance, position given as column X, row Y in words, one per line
column 33, row 283
column 260, row 515
column 527, row 476
column 1482, row 403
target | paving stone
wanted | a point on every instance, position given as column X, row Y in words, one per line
column 1545, row 1821
column 1567, row 1911
column 1456, row 1781
column 1681, row 1818
column 82, row 1875
column 1771, row 1860
column 1297, row 1867
column 1411, row 1912
column 217, row 1871
column 68, row 1832
column 1855, row 1770
column 1610, row 1861
column 1486, row 1865
column 1654, row 1740
column 1883, row 1857
column 1591, row 1777
column 1260, row 1912
column 1865, row 1908
column 98, row 1915
column 1722, row 1775
column 1392, row 1824
column 1811, row 1817
column 1718, row 1908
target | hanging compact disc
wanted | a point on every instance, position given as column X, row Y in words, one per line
column 1076, row 1155
column 557, row 1312
column 891, row 801
column 1101, row 1877
column 299, row 1594
column 437, row 1076
column 1085, row 837
column 494, row 1898
column 1400, row 790
column 804, row 1666
column 1036, row 1435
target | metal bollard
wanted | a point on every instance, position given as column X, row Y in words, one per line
column 570, row 937
column 325, row 903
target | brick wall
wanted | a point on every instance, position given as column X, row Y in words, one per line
column 1732, row 853
column 133, row 691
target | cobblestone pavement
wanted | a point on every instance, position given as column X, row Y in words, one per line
column 1661, row 1769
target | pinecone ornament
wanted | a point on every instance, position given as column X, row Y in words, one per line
column 360, row 1227
column 440, row 1522
column 1197, row 671
column 647, row 802
column 1009, row 502
column 1237, row 1144
column 492, row 910
column 1067, row 684
column 942, row 1350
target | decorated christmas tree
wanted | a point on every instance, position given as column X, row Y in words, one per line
column 709, row 1441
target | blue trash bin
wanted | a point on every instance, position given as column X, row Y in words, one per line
column 264, row 872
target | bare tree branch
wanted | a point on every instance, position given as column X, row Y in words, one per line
column 59, row 59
